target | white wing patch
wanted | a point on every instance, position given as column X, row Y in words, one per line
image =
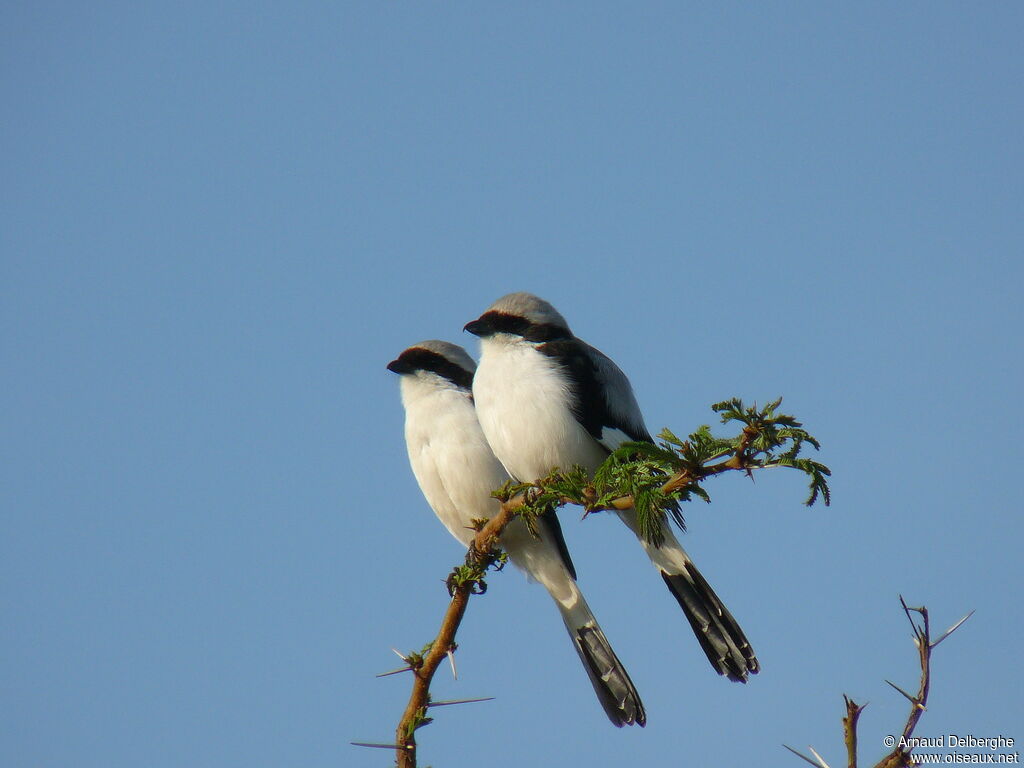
column 612, row 438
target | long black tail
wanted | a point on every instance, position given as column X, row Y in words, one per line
column 611, row 682
column 719, row 635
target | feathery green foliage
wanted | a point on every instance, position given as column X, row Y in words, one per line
column 652, row 478
column 658, row 477
column 775, row 440
column 641, row 470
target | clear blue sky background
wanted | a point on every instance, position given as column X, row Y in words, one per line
column 221, row 220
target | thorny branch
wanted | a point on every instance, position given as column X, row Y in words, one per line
column 482, row 555
column 684, row 464
column 900, row 756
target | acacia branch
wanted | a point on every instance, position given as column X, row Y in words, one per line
column 482, row 554
column 853, row 711
column 681, row 479
column 684, row 464
column 923, row 641
column 900, row 755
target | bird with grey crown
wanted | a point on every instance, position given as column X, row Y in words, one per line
column 546, row 399
column 457, row 471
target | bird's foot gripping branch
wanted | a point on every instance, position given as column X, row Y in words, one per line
column 653, row 478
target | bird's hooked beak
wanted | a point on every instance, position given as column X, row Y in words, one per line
column 479, row 327
column 399, row 366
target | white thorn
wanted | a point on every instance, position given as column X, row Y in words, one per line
column 802, row 757
column 821, row 760
column 952, row 629
column 458, row 701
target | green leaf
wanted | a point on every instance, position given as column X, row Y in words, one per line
column 641, row 469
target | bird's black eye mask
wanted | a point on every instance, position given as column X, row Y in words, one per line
column 494, row 322
column 419, row 359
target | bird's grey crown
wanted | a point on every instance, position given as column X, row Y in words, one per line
column 453, row 353
column 446, row 360
column 529, row 307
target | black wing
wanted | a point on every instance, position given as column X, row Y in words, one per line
column 603, row 400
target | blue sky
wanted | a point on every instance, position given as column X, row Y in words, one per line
column 221, row 220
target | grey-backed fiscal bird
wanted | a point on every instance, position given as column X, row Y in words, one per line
column 457, row 471
column 546, row 399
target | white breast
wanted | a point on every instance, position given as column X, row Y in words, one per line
column 449, row 455
column 523, row 404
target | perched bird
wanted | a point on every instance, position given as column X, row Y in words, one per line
column 457, row 471
column 546, row 399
